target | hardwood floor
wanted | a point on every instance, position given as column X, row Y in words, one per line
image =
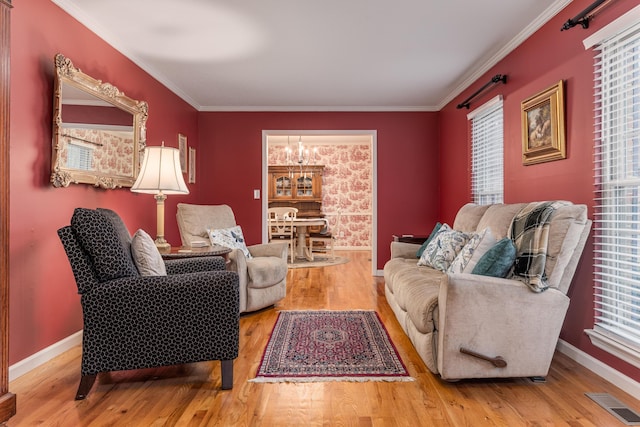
column 190, row 395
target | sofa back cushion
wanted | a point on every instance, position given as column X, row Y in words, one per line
column 468, row 217
column 194, row 220
column 567, row 230
column 498, row 218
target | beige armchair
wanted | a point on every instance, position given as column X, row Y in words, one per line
column 263, row 276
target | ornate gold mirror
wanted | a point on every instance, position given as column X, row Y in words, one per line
column 99, row 133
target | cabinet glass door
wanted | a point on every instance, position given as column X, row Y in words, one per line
column 283, row 186
column 304, row 186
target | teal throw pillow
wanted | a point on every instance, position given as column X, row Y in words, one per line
column 430, row 238
column 498, row 260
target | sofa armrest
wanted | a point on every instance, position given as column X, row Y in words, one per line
column 275, row 249
column 194, row 265
column 497, row 317
column 404, row 250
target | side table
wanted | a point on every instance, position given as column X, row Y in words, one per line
column 410, row 238
column 189, row 252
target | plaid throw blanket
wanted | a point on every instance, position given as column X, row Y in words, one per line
column 530, row 233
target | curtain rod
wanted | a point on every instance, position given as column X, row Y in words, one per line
column 66, row 135
column 495, row 79
column 583, row 17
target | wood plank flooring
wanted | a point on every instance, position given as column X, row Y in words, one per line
column 190, row 395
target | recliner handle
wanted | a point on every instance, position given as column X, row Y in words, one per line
column 497, row 361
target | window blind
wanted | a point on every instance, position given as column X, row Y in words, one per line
column 487, row 153
column 79, row 157
column 617, row 188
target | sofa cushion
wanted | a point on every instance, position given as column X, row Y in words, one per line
column 417, row 293
column 471, row 253
column 468, row 217
column 397, row 266
column 498, row 218
column 229, row 238
column 498, row 260
column 146, row 255
column 266, row 271
column 100, row 239
column 443, row 248
column 567, row 224
column 429, row 239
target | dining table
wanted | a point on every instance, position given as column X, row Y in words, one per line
column 301, row 224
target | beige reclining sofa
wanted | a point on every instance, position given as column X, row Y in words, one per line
column 474, row 326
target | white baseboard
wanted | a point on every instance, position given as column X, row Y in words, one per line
column 605, row 371
column 44, row 355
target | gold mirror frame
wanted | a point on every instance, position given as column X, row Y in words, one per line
column 67, row 75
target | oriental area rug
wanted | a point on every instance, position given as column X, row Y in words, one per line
column 313, row 346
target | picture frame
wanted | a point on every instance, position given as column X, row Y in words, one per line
column 192, row 165
column 182, row 146
column 543, row 130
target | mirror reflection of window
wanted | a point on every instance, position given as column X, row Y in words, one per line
column 79, row 157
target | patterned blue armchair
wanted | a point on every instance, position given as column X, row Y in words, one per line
column 135, row 322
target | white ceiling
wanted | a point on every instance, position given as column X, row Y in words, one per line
column 302, row 55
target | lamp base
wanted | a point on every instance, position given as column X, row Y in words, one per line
column 162, row 244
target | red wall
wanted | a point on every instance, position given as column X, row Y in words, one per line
column 43, row 297
column 407, row 156
column 544, row 59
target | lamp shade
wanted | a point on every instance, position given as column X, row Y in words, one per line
column 160, row 172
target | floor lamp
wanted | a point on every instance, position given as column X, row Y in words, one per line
column 160, row 175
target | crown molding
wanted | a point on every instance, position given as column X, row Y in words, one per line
column 483, row 67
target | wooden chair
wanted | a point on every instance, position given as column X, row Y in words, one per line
column 281, row 228
column 325, row 240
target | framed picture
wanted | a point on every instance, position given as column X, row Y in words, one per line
column 543, row 135
column 182, row 146
column 192, row 165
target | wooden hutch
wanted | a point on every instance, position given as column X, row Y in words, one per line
column 297, row 187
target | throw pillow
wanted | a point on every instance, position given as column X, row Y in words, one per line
column 100, row 240
column 443, row 248
column 498, row 260
column 146, row 255
column 229, row 238
column 469, row 256
column 426, row 242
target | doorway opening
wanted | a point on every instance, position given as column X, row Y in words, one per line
column 349, row 179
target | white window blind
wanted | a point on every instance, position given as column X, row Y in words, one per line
column 79, row 157
column 617, row 192
column 487, row 153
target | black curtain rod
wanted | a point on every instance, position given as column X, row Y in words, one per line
column 582, row 17
column 495, row 79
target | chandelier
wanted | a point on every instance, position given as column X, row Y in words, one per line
column 302, row 157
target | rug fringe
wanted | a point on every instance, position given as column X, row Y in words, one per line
column 327, row 379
